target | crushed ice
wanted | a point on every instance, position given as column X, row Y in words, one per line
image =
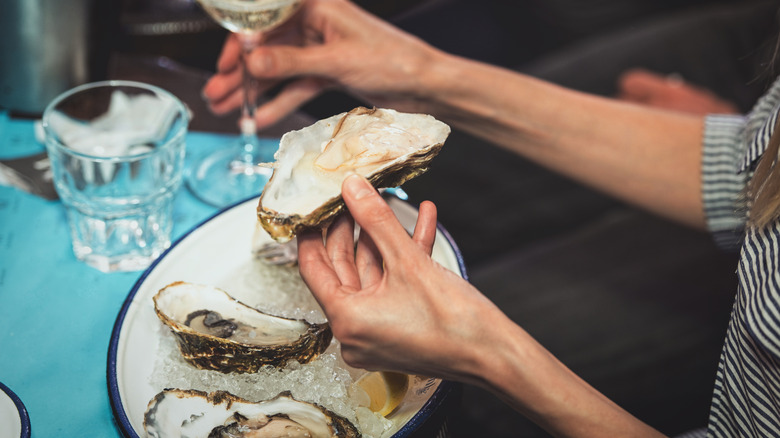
column 325, row 381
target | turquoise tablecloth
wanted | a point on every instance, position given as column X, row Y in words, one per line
column 56, row 314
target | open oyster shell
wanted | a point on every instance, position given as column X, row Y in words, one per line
column 190, row 413
column 385, row 146
column 217, row 332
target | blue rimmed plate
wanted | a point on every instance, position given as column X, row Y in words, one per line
column 14, row 421
column 217, row 252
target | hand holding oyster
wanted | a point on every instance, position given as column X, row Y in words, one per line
column 385, row 146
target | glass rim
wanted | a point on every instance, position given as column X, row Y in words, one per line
column 233, row 6
column 49, row 138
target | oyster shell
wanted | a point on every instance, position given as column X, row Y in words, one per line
column 190, row 413
column 217, row 332
column 385, row 146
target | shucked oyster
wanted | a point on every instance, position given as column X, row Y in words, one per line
column 217, row 332
column 387, row 147
column 190, row 413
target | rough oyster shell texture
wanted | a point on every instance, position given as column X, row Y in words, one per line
column 214, row 331
column 191, row 413
column 385, row 146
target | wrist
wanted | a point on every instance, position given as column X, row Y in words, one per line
column 439, row 82
column 479, row 98
column 496, row 354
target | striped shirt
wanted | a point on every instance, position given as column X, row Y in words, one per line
column 746, row 398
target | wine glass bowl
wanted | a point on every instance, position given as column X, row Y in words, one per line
column 234, row 173
column 250, row 17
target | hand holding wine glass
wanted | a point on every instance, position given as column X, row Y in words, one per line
column 331, row 44
column 233, row 174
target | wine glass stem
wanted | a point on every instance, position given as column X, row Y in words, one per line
column 248, row 125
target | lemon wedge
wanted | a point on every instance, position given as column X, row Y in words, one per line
column 385, row 389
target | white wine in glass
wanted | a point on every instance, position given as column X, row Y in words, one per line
column 250, row 16
column 232, row 174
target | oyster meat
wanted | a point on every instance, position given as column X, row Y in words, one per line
column 196, row 414
column 217, row 332
column 385, row 146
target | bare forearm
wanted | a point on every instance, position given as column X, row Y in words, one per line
column 535, row 383
column 638, row 154
column 644, row 156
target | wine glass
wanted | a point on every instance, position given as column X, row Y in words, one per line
column 235, row 173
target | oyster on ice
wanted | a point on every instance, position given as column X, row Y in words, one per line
column 385, row 146
column 190, row 413
column 217, row 332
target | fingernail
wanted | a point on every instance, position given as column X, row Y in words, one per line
column 206, row 89
column 358, row 186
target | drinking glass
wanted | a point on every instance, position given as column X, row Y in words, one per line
column 232, row 174
column 117, row 152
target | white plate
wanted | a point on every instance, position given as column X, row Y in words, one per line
column 218, row 253
column 14, row 421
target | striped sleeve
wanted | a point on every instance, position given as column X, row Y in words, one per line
column 761, row 261
column 722, row 183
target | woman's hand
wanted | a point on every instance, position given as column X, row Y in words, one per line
column 652, row 89
column 392, row 307
column 389, row 304
column 328, row 44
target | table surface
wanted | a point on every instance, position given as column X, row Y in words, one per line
column 56, row 313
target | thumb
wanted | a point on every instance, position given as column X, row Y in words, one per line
column 375, row 217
